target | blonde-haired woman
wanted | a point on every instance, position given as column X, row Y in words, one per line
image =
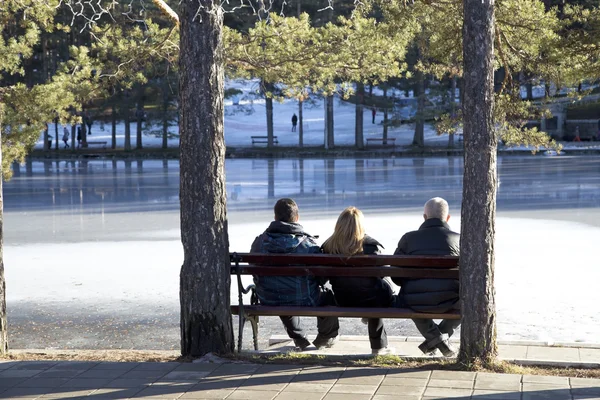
column 349, row 239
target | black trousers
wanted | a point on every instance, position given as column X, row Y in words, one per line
column 327, row 327
column 430, row 330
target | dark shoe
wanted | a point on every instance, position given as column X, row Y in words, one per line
column 321, row 342
column 446, row 349
column 301, row 344
column 429, row 346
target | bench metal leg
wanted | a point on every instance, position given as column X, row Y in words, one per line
column 242, row 321
column 254, row 321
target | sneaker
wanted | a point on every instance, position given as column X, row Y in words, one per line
column 301, row 344
column 365, row 321
column 321, row 342
column 383, row 352
column 447, row 349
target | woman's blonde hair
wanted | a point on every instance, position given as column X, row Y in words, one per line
column 348, row 235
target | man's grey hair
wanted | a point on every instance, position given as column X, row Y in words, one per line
column 436, row 208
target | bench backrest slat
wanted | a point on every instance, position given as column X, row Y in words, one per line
column 328, row 271
column 355, row 261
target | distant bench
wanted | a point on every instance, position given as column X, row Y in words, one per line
column 326, row 265
column 263, row 139
column 382, row 142
column 98, row 143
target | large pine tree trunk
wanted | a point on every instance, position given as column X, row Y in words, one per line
column 3, row 323
column 300, row 127
column 46, row 137
column 165, row 115
column 419, row 137
column 113, row 127
column 385, row 118
column 206, row 324
column 478, row 332
column 452, row 108
column 268, row 88
column 139, row 114
column 359, row 139
column 330, row 135
column 127, row 119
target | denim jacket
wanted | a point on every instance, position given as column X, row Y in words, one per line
column 283, row 238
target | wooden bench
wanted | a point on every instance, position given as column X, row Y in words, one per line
column 99, row 143
column 381, row 142
column 263, row 140
column 325, row 265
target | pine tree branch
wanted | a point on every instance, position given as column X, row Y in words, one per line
column 164, row 7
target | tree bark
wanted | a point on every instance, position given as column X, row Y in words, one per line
column 46, row 137
column 127, row 121
column 165, row 115
column 452, row 108
column 268, row 88
column 477, row 293
column 359, row 139
column 330, row 135
column 3, row 321
column 419, row 136
column 206, row 324
column 56, row 134
column 113, row 127
column 385, row 118
column 74, row 138
column 300, row 128
column 83, row 129
column 139, row 114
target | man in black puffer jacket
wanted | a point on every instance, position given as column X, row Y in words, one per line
column 434, row 237
column 286, row 235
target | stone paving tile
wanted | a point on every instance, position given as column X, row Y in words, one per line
column 498, row 385
column 455, row 375
column 346, row 396
column 512, row 352
column 128, row 383
column 299, row 396
column 172, row 392
column 25, row 392
column 403, row 390
column 219, row 394
column 552, row 380
column 115, row 365
column 67, row 394
column 446, row 392
column 585, row 398
column 197, row 367
column 450, row 383
column 419, row 382
column 243, row 394
column 546, row 396
column 35, row 365
column 553, row 353
column 19, row 373
column 219, row 384
column 57, row 373
column 585, row 382
column 361, row 380
column 185, row 375
column 357, row 389
column 408, row 373
column 395, row 397
column 43, row 382
column 100, row 373
column 7, row 364
column 114, row 393
column 495, row 395
column 445, row 398
column 73, row 365
column 586, row 391
column 535, row 387
column 508, row 378
column 144, row 374
column 235, row 369
column 278, row 369
column 589, row 355
column 93, row 383
column 156, row 366
column 308, row 387
column 6, row 383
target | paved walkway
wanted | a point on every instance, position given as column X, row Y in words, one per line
column 104, row 380
column 522, row 352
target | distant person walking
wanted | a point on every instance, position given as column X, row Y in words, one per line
column 577, row 135
column 66, row 137
column 373, row 113
column 294, row 122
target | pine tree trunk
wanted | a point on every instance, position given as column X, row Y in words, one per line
column 478, row 332
column 385, row 118
column 452, row 108
column 330, row 135
column 165, row 133
column 127, row 120
column 359, row 139
column 113, row 127
column 269, row 105
column 46, row 137
column 56, row 134
column 83, row 129
column 3, row 321
column 206, row 324
column 139, row 114
column 300, row 127
column 419, row 137
column 73, row 138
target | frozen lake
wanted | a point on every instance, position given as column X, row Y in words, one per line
column 92, row 249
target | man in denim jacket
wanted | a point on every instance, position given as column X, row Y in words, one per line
column 285, row 235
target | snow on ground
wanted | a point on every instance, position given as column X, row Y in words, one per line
column 543, row 293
